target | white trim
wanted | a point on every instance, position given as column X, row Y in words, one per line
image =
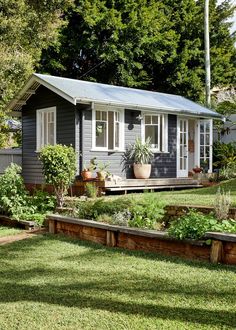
column 100, row 107
column 164, row 124
column 38, row 126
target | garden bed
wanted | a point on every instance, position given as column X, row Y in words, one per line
column 146, row 240
column 23, row 224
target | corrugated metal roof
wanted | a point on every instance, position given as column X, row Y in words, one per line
column 76, row 91
column 95, row 92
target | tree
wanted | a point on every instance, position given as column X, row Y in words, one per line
column 26, row 27
column 156, row 45
column 113, row 38
column 59, row 168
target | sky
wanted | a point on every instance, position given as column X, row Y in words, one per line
column 233, row 18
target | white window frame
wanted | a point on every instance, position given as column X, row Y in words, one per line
column 39, row 112
column 121, row 127
column 164, row 123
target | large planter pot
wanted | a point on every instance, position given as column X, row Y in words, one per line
column 142, row 171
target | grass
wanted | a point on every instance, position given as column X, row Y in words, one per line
column 9, row 231
column 53, row 282
column 199, row 196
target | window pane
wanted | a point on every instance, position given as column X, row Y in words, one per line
column 202, row 127
column 117, row 135
column 111, row 116
column 202, row 139
column 98, row 115
column 147, row 119
column 155, row 120
column 152, row 133
column 51, row 133
column 207, row 142
column 201, row 151
column 207, row 151
column 101, row 134
column 104, row 115
column 207, row 126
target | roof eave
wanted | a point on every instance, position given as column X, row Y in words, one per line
column 150, row 108
column 34, row 79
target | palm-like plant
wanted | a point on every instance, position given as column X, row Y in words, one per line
column 137, row 153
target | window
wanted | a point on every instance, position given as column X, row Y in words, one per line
column 108, row 130
column 46, row 127
column 155, row 127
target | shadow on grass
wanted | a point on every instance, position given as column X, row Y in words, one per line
column 108, row 288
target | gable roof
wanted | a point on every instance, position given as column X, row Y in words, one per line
column 79, row 91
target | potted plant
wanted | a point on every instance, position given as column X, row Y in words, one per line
column 87, row 171
column 139, row 154
column 102, row 170
column 197, row 169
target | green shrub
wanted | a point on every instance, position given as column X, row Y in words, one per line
column 224, row 154
column 228, row 172
column 194, row 225
column 14, row 198
column 121, row 218
column 92, row 209
column 91, row 190
column 59, row 168
column 43, row 201
column 147, row 213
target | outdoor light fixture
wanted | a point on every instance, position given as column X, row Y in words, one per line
column 139, row 117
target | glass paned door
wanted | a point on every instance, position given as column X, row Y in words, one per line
column 205, row 138
column 182, row 147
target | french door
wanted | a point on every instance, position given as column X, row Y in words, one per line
column 182, row 147
column 205, row 144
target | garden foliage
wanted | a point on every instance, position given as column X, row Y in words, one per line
column 16, row 202
column 59, row 168
column 147, row 213
column 194, row 225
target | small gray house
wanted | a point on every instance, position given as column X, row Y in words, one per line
column 101, row 120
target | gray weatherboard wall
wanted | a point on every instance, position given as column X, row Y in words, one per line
column 74, row 127
column 65, row 127
column 163, row 164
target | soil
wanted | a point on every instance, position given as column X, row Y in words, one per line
column 18, row 237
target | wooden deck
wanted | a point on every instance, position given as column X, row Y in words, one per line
column 150, row 184
column 127, row 185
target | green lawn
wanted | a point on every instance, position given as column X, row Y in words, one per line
column 52, row 282
column 199, row 196
column 8, row 231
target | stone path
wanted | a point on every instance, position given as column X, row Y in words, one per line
column 18, row 237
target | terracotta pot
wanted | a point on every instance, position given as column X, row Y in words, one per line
column 86, row 175
column 142, row 171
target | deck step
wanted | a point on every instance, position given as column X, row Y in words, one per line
column 124, row 188
column 150, row 182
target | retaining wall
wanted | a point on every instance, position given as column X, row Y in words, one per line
column 222, row 249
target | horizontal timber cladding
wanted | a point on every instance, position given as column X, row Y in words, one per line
column 65, row 128
column 163, row 164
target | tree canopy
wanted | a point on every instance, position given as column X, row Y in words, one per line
column 145, row 43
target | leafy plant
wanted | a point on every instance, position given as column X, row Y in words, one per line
column 228, row 172
column 93, row 209
column 194, row 225
column 14, row 198
column 121, row 218
column 148, row 213
column 138, row 152
column 59, row 168
column 91, row 190
column 222, row 204
column 92, row 165
column 224, row 154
